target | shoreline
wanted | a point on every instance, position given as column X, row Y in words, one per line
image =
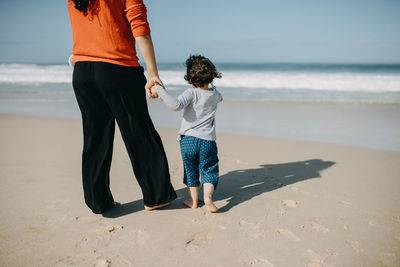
column 362, row 125
column 368, row 125
column 374, row 126
column 243, row 135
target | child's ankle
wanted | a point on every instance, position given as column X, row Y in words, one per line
column 208, row 200
column 191, row 204
column 194, row 202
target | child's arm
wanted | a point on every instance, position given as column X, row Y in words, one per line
column 219, row 95
column 71, row 61
column 173, row 103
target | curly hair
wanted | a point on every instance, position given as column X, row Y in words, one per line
column 200, row 71
column 83, row 5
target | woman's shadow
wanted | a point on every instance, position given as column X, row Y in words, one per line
column 239, row 186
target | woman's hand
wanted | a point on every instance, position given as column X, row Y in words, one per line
column 154, row 91
column 152, row 81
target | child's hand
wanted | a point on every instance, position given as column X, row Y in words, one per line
column 153, row 91
column 151, row 81
column 71, row 61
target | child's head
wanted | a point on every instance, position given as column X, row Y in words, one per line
column 200, row 71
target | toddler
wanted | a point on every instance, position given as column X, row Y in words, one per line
column 197, row 133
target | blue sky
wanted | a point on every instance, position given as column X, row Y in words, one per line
column 224, row 30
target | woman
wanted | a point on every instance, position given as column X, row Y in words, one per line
column 109, row 86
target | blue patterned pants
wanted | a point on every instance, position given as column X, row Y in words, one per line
column 200, row 158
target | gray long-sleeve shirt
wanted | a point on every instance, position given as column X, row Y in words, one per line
column 199, row 108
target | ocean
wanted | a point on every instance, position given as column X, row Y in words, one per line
column 360, row 83
column 320, row 102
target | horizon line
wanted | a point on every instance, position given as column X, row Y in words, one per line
column 233, row 62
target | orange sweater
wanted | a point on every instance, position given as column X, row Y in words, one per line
column 107, row 32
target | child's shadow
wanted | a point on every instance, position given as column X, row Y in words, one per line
column 242, row 185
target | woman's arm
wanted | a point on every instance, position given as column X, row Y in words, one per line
column 136, row 14
column 146, row 47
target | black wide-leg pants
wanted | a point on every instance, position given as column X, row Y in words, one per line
column 107, row 93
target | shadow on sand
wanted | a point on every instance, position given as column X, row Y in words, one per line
column 242, row 185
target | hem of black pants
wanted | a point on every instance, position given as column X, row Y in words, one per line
column 103, row 210
column 171, row 198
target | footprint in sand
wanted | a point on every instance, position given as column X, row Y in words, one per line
column 255, row 230
column 388, row 259
column 373, row 223
column 80, row 259
column 289, row 203
column 354, row 244
column 94, row 239
column 396, row 217
column 198, row 240
column 318, row 227
column 140, row 236
column 221, row 227
column 114, row 228
column 58, row 203
column 245, row 223
column 345, row 203
column 315, row 259
column 261, row 262
column 282, row 212
column 102, row 263
column 397, row 237
column 57, row 219
column 288, row 234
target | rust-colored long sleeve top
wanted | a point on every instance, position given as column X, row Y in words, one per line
column 107, row 32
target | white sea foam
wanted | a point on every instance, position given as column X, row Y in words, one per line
column 35, row 100
column 31, row 73
column 334, row 81
column 293, row 80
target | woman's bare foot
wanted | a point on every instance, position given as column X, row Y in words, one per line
column 190, row 204
column 210, row 206
column 155, row 207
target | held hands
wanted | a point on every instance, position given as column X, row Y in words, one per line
column 151, row 86
column 153, row 91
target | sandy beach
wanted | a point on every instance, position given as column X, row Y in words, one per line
column 282, row 203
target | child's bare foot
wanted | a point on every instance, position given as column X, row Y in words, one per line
column 190, row 204
column 155, row 207
column 210, row 206
column 208, row 192
column 194, row 197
